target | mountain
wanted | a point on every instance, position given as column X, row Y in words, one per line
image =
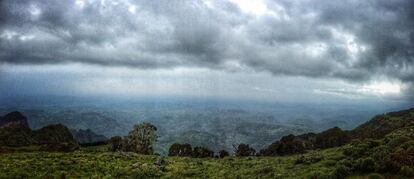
column 376, row 128
column 15, row 132
column 87, row 136
column 14, row 118
column 381, row 125
column 15, row 135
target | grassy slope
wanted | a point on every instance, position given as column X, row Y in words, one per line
column 95, row 162
column 115, row 164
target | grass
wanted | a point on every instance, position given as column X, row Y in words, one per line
column 97, row 164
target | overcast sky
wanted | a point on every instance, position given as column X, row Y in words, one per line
column 296, row 50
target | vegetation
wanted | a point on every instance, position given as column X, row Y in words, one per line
column 16, row 133
column 141, row 139
column 333, row 153
column 182, row 150
column 98, row 164
column 244, row 150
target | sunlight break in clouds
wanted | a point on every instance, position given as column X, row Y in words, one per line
column 256, row 7
column 382, row 88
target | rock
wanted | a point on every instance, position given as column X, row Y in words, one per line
column 14, row 118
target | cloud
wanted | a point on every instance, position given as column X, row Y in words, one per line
column 357, row 41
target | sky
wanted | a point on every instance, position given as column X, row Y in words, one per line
column 273, row 50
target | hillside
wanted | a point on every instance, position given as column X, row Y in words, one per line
column 15, row 132
column 387, row 154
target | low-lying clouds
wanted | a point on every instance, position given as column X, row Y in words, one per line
column 359, row 42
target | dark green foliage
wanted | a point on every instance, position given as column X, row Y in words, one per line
column 333, row 137
column 53, row 134
column 407, row 171
column 340, row 172
column 244, row 150
column 308, row 159
column 182, row 150
column 223, row 153
column 319, row 175
column 291, row 144
column 55, row 138
column 365, row 165
column 50, row 138
column 385, row 144
column 141, row 139
column 202, row 152
column 375, row 176
column 116, row 143
column 15, row 136
column 288, row 145
column 381, row 125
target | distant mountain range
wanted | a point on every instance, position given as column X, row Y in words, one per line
column 87, row 136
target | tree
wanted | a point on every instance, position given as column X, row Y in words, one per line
column 116, row 143
column 244, row 150
column 223, row 153
column 182, row 150
column 141, row 139
column 202, row 152
column 333, row 137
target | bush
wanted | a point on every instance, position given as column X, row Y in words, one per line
column 116, row 143
column 331, row 138
column 365, row 165
column 244, row 150
column 202, row 152
column 141, row 139
column 397, row 141
column 407, row 171
column 319, row 175
column 182, row 150
column 375, row 176
column 223, row 153
column 310, row 159
column 341, row 172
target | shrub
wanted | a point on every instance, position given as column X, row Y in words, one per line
column 116, row 143
column 319, row 175
column 397, row 141
column 244, row 150
column 202, row 152
column 375, row 176
column 141, row 139
column 223, row 153
column 402, row 157
column 365, row 165
column 310, row 159
column 332, row 138
column 182, row 150
column 407, row 171
column 341, row 172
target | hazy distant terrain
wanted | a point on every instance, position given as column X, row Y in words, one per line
column 214, row 124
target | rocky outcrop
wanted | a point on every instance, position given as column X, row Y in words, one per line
column 15, row 132
column 14, row 118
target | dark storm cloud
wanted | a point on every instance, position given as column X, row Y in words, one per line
column 352, row 40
